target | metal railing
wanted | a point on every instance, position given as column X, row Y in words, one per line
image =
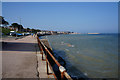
column 44, row 50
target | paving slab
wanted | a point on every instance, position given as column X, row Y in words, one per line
column 19, row 58
column 42, row 69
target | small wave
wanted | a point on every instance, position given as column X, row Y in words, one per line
column 62, row 43
column 67, row 49
column 69, row 45
column 85, row 74
column 72, row 46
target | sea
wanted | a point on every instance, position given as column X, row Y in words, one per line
column 87, row 55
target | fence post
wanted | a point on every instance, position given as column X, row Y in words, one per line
column 42, row 52
column 40, row 48
column 47, row 62
column 42, row 56
column 62, row 70
column 47, row 67
column 62, row 75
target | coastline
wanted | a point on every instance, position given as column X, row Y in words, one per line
column 58, row 57
column 59, row 45
column 63, row 61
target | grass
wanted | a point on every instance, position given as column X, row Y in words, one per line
column 5, row 31
column 19, row 32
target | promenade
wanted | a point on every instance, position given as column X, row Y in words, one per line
column 21, row 58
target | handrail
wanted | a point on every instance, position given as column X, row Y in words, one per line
column 51, row 55
column 47, row 62
column 61, row 68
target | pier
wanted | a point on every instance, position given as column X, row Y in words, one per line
column 29, row 57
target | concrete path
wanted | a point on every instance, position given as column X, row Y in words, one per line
column 42, row 65
column 21, row 58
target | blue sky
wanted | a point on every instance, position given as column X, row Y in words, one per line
column 82, row 17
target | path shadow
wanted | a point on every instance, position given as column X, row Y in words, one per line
column 16, row 46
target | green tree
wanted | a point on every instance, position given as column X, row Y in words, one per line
column 16, row 25
column 28, row 29
column 20, row 27
column 33, row 30
column 3, row 22
column 6, row 23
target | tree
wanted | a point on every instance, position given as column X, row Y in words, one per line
column 33, row 30
column 6, row 23
column 17, row 26
column 28, row 29
column 38, row 30
column 20, row 27
column 3, row 22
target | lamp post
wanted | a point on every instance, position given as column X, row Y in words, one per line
column 20, row 25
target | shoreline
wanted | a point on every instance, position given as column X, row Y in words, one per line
column 58, row 37
column 63, row 61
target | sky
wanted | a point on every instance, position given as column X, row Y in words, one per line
column 82, row 17
column 60, row 0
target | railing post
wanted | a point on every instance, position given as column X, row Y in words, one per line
column 62, row 75
column 42, row 56
column 47, row 67
column 62, row 70
column 45, row 51
column 47, row 62
column 42, row 52
column 40, row 46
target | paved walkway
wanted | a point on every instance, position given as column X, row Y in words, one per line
column 21, row 59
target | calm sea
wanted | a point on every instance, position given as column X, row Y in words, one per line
column 92, row 56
